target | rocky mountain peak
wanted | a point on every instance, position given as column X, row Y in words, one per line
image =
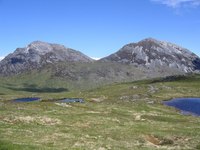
column 168, row 46
column 154, row 54
column 149, row 55
column 38, row 54
column 42, row 47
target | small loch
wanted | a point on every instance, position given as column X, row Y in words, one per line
column 28, row 99
column 65, row 100
column 187, row 106
column 71, row 100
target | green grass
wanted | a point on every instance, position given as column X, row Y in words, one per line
column 118, row 116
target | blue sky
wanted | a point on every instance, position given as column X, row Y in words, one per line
column 98, row 27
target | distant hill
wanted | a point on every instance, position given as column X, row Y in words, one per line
column 38, row 54
column 43, row 63
column 156, row 55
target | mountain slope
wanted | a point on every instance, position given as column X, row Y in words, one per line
column 151, row 54
column 38, row 54
column 53, row 63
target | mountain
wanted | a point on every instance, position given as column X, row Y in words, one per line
column 46, row 64
column 156, row 55
column 38, row 54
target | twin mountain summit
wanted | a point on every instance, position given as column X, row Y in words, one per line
column 148, row 58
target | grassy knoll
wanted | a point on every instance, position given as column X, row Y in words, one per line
column 118, row 116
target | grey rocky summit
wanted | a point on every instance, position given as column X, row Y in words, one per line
column 145, row 59
column 38, row 54
column 151, row 53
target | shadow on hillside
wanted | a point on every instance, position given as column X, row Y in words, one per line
column 196, row 64
column 171, row 79
column 33, row 88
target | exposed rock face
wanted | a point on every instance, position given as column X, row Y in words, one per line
column 151, row 54
column 38, row 54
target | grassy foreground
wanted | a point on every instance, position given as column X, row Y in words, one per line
column 117, row 116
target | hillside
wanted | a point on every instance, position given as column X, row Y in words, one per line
column 39, row 54
column 116, row 114
column 50, row 65
column 156, row 55
column 119, row 116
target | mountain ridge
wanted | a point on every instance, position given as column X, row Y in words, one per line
column 152, row 57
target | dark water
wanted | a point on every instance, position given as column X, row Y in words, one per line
column 71, row 100
column 26, row 99
column 186, row 105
